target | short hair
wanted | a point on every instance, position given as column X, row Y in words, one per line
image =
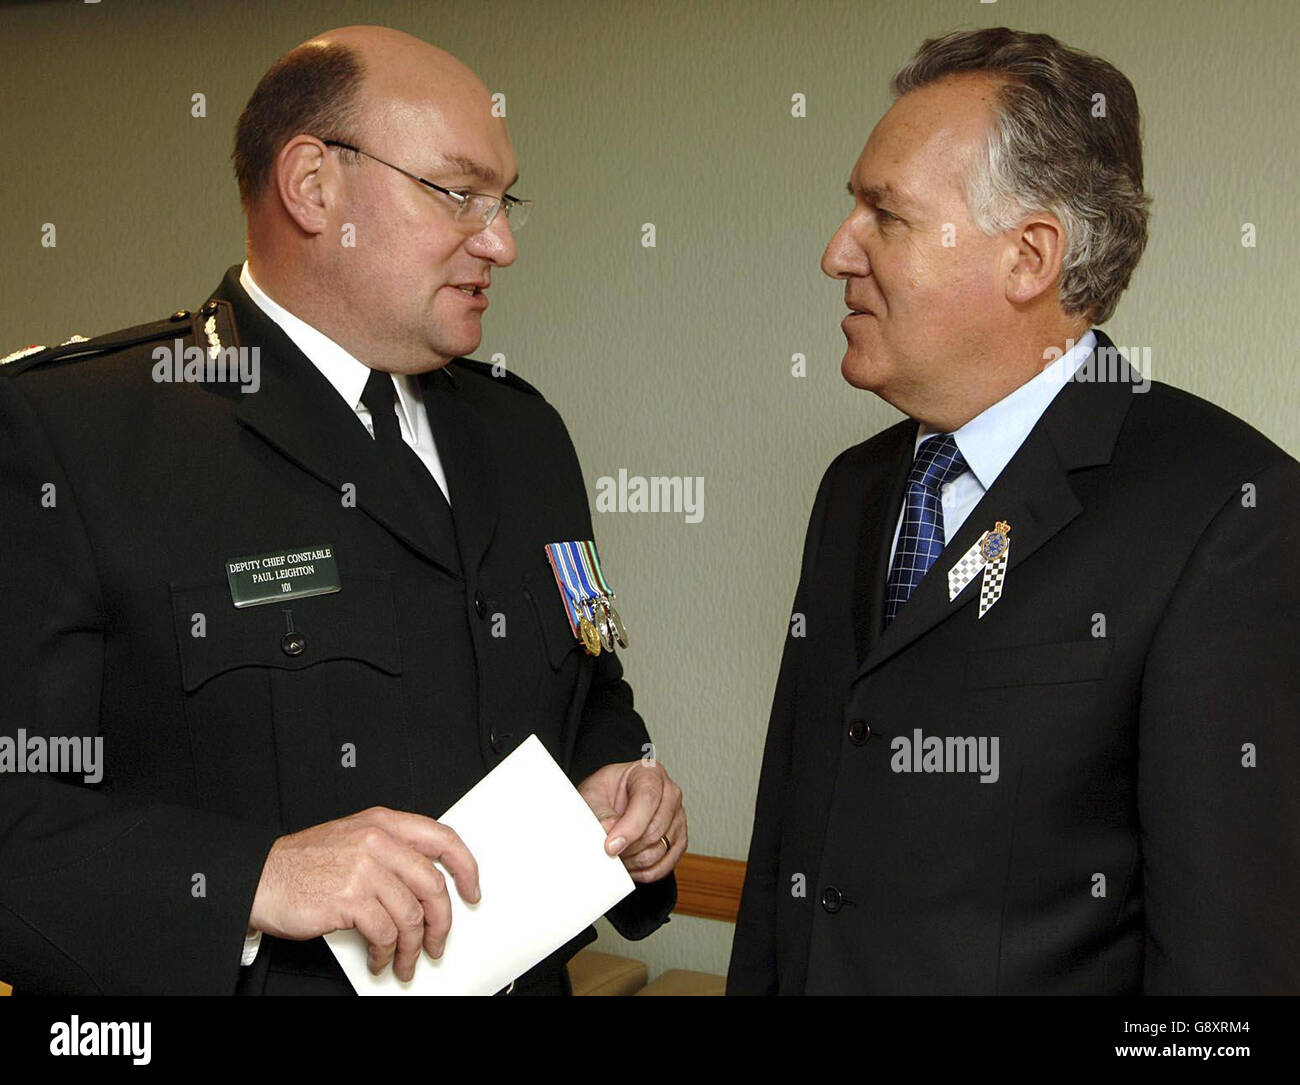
column 313, row 89
column 1048, row 149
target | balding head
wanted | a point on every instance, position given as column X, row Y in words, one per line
column 402, row 71
column 330, row 153
column 344, row 82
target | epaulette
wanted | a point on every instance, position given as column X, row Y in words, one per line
column 214, row 322
column 498, row 373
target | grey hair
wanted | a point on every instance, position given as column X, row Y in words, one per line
column 1046, row 151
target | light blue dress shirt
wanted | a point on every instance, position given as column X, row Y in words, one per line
column 989, row 440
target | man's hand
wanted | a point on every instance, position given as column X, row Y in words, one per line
column 639, row 805
column 372, row 872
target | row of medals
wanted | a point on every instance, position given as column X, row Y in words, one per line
column 599, row 625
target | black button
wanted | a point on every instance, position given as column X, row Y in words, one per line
column 832, row 899
column 499, row 741
column 292, row 644
column 859, row 732
column 181, row 314
column 480, row 604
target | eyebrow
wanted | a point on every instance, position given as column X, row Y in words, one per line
column 875, row 193
column 470, row 168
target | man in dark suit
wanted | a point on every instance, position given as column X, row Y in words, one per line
column 262, row 771
column 1035, row 729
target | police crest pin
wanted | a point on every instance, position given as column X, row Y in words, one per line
column 989, row 553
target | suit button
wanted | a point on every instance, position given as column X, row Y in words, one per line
column 859, row 733
column 480, row 604
column 292, row 644
column 180, row 314
column 832, row 899
column 499, row 741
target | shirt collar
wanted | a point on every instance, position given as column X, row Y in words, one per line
column 345, row 373
column 989, row 440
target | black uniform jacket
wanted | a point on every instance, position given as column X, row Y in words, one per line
column 1139, row 674
column 122, row 500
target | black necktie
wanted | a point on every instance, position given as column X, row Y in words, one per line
column 380, row 396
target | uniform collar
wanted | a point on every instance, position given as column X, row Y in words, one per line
column 345, row 373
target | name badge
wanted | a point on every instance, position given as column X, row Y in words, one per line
column 283, row 574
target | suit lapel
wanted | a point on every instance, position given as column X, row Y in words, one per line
column 883, row 489
column 298, row 412
column 1033, row 494
column 462, row 436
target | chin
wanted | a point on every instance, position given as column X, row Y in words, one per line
column 861, row 372
column 461, row 346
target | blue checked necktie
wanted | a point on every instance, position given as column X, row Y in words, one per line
column 920, row 539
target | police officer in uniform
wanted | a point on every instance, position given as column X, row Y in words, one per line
column 283, row 560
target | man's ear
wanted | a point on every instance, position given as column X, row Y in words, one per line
column 301, row 184
column 1036, row 253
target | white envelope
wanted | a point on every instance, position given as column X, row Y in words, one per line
column 544, row 875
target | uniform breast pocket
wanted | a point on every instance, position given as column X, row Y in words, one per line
column 1038, row 664
column 559, row 661
column 292, row 706
column 557, row 641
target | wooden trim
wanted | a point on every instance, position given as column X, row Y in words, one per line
column 709, row 886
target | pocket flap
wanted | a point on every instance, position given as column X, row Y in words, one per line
column 357, row 622
column 1038, row 664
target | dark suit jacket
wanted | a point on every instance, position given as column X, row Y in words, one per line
column 1120, row 755
column 216, row 745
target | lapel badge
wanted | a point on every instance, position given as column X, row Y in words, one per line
column 989, row 553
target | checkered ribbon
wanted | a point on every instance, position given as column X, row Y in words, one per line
column 970, row 563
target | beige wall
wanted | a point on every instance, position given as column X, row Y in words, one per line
column 673, row 360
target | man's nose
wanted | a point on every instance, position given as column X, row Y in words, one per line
column 496, row 242
column 844, row 257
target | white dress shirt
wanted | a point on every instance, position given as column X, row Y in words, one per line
column 348, row 377
column 989, row 440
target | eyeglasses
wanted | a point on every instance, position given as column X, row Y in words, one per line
column 473, row 208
